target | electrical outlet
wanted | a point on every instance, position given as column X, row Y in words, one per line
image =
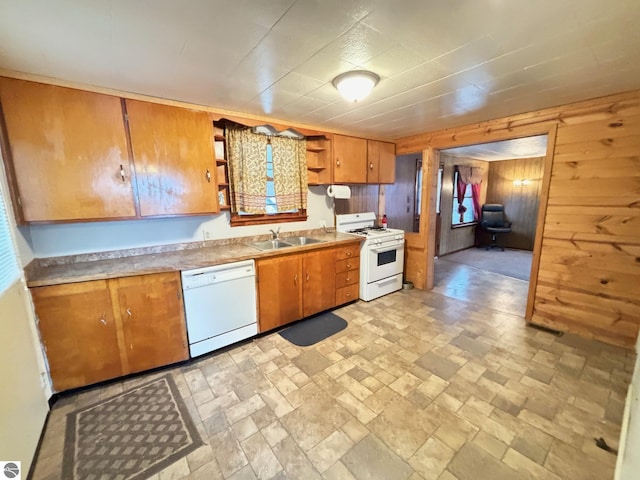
column 323, row 223
column 206, row 234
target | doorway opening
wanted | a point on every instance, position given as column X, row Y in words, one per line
column 511, row 173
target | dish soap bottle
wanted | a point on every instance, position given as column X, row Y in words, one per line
column 384, row 222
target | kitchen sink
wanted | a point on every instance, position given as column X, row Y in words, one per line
column 270, row 245
column 301, row 240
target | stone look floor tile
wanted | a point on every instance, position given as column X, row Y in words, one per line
column 420, row 385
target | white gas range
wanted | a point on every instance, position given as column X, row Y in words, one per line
column 381, row 254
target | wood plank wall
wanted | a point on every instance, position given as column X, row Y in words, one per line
column 520, row 202
column 586, row 266
column 455, row 239
column 401, row 196
column 364, row 198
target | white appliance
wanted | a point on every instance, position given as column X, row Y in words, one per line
column 381, row 254
column 220, row 305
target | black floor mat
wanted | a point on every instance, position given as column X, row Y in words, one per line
column 311, row 330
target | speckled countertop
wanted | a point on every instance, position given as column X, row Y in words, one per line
column 164, row 258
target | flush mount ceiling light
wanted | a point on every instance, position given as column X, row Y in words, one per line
column 356, row 84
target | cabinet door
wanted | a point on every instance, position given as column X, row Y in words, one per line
column 279, row 291
column 174, row 159
column 318, row 271
column 69, row 153
column 152, row 317
column 78, row 332
column 381, row 162
column 350, row 159
column 386, row 162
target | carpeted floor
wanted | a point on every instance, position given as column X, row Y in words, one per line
column 130, row 436
column 512, row 263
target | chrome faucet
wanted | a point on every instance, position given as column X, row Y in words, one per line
column 275, row 233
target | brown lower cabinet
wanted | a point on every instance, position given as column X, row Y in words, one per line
column 291, row 287
column 102, row 329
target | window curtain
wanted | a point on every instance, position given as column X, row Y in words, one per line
column 247, row 172
column 469, row 175
column 290, row 173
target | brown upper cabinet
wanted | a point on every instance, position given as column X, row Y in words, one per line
column 67, row 153
column 381, row 159
column 349, row 159
column 357, row 160
column 174, row 157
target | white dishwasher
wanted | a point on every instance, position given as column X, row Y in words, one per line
column 220, row 305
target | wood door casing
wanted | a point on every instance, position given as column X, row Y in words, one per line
column 78, row 331
column 68, row 152
column 350, row 159
column 279, row 291
column 152, row 319
column 318, row 271
column 174, row 159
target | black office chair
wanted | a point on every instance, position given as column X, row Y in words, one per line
column 493, row 221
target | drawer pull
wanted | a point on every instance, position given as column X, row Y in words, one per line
column 349, row 254
column 122, row 175
column 348, row 294
column 348, row 265
column 348, row 279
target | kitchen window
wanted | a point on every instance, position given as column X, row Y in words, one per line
column 267, row 178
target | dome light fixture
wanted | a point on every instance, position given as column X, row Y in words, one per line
column 356, row 84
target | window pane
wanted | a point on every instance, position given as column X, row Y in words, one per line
column 467, row 216
column 9, row 271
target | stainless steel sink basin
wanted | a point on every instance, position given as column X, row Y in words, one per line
column 270, row 245
column 301, row 240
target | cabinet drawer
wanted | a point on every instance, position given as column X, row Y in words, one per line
column 348, row 264
column 348, row 252
column 347, row 294
column 347, row 278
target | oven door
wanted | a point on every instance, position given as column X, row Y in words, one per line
column 385, row 260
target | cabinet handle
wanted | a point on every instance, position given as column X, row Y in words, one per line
column 104, row 322
column 129, row 312
column 348, row 265
column 371, row 166
column 348, row 279
column 307, row 276
column 208, row 176
column 295, row 279
column 337, row 162
column 347, row 294
column 122, row 175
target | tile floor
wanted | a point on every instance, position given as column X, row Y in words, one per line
column 419, row 386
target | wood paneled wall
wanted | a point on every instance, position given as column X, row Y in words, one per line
column 585, row 271
column 364, row 198
column 454, row 239
column 520, row 202
column 401, row 195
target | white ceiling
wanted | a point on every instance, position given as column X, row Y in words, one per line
column 442, row 63
column 528, row 147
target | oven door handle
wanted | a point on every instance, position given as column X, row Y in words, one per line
column 388, row 248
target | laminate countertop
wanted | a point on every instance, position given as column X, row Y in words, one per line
column 165, row 258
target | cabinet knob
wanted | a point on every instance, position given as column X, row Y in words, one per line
column 348, row 279
column 348, row 265
column 338, row 162
column 208, row 176
column 122, row 175
column 371, row 166
column 349, row 254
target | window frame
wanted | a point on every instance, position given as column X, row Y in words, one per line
column 238, row 219
column 454, row 203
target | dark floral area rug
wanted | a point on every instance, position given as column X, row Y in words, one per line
column 130, row 436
